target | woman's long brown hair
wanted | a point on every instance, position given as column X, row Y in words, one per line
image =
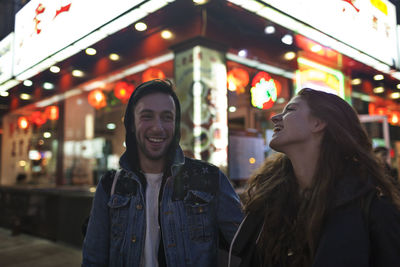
column 293, row 220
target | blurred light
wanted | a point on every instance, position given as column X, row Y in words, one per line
column 232, row 109
column 54, row 69
column 242, row 53
column 166, row 34
column 22, row 163
column 289, row 55
column 378, row 77
column 140, row 26
column 398, row 86
column 200, row 2
column 46, row 134
column 111, row 126
column 395, row 95
column 4, row 94
column 269, row 29
column 113, row 57
column 378, row 90
column 316, row 48
column 25, row 96
column 90, row 51
column 252, row 160
column 92, row 189
column 34, row 155
column 40, row 142
column 48, row 86
column 287, row 39
column 28, row 83
column 77, row 73
column 280, row 100
column 356, row 81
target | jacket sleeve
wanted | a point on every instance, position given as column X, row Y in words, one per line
column 229, row 211
column 95, row 250
column 384, row 233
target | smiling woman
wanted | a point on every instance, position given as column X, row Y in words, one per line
column 324, row 200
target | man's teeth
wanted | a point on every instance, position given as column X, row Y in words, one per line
column 157, row 140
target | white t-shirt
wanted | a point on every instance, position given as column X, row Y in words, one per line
column 152, row 240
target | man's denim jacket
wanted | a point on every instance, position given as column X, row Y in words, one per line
column 197, row 209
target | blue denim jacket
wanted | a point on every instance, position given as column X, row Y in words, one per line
column 191, row 226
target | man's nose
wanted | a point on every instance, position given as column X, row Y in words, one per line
column 157, row 124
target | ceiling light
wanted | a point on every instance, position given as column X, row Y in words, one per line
column 200, row 2
column 378, row 90
column 269, row 29
column 166, row 34
column 77, row 73
column 28, row 83
column 287, row 39
column 48, row 86
column 289, row 55
column 4, row 93
column 90, row 51
column 398, row 86
column 113, row 57
column 356, row 81
column 395, row 95
column 378, row 77
column 316, row 48
column 54, row 69
column 46, row 134
column 111, row 126
column 232, row 109
column 140, row 26
column 242, row 53
column 25, row 96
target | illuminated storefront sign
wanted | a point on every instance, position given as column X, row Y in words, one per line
column 362, row 24
column 6, row 47
column 319, row 77
column 264, row 91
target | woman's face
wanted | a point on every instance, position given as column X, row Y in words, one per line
column 294, row 127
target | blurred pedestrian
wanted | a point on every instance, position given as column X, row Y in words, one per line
column 323, row 201
column 382, row 153
column 161, row 209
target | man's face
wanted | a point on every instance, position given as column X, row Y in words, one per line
column 154, row 126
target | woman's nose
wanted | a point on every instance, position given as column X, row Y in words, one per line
column 276, row 118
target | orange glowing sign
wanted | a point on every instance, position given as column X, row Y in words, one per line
column 97, row 99
column 123, row 91
column 23, row 123
column 52, row 112
column 264, row 91
column 238, row 79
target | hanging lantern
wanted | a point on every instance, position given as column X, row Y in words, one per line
column 38, row 118
column 23, row 123
column 264, row 91
column 123, row 91
column 97, row 99
column 238, row 79
column 152, row 74
column 52, row 112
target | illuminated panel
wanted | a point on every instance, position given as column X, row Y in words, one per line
column 319, row 77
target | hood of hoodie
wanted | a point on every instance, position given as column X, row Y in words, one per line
column 130, row 158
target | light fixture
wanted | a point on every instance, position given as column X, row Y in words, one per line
column 269, row 29
column 356, row 81
column 28, row 83
column 287, row 39
column 111, row 126
column 378, row 77
column 48, row 86
column 166, row 34
column 378, row 90
column 77, row 73
column 316, row 48
column 4, row 93
column 252, row 160
column 90, row 51
column 140, row 26
column 113, row 57
column 398, row 86
column 232, row 109
column 54, row 69
column 24, row 96
column 46, row 134
column 289, row 55
column 200, row 2
column 395, row 95
column 242, row 53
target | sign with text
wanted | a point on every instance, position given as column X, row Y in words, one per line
column 6, row 47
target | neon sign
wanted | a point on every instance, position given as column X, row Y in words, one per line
column 264, row 91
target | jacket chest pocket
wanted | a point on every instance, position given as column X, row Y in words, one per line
column 199, row 210
column 119, row 213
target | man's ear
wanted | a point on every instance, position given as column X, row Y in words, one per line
column 318, row 125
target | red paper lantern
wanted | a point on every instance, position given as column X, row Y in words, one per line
column 38, row 118
column 123, row 91
column 238, row 79
column 97, row 99
column 52, row 113
column 152, row 74
column 23, row 123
